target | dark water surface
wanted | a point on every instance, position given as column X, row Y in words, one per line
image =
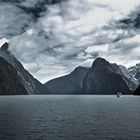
column 69, row 118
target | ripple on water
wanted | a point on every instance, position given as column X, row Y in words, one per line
column 69, row 118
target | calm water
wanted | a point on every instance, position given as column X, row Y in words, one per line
column 69, row 118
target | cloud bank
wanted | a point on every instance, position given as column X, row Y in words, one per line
column 65, row 34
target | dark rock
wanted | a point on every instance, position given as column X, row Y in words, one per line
column 137, row 92
column 9, row 81
column 135, row 72
column 32, row 85
column 131, row 81
column 69, row 84
column 5, row 46
column 103, row 78
column 137, row 76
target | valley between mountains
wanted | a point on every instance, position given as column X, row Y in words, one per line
column 103, row 78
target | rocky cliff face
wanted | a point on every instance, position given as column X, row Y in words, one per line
column 137, row 76
column 131, row 81
column 101, row 78
column 10, row 83
column 69, row 84
column 32, row 85
column 135, row 71
column 137, row 92
column 104, row 78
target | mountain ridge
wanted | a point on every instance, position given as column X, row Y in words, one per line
column 9, row 80
column 32, row 85
column 68, row 84
column 103, row 78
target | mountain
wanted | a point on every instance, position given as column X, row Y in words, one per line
column 104, row 78
column 101, row 78
column 9, row 80
column 131, row 81
column 69, row 84
column 137, row 92
column 135, row 71
column 137, row 76
column 32, row 85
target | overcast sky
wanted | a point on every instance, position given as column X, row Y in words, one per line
column 52, row 39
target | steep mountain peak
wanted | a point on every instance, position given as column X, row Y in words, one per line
column 100, row 61
column 80, row 68
column 10, row 83
column 104, row 78
column 5, row 46
column 100, row 65
column 32, row 85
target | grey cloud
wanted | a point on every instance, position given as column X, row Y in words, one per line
column 58, row 36
column 12, row 20
column 131, row 21
column 16, row 16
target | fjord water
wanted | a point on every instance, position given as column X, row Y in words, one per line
column 69, row 118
